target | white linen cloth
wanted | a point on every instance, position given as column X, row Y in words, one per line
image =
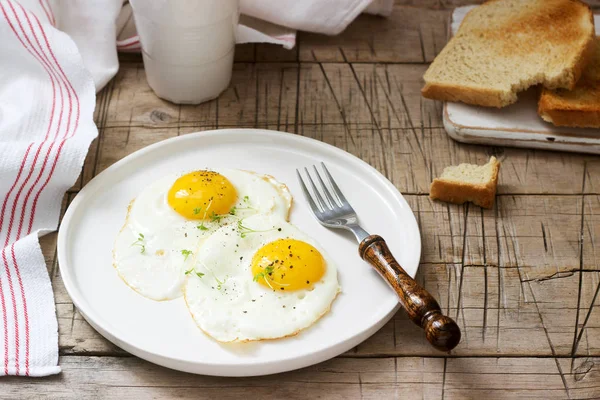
column 55, row 55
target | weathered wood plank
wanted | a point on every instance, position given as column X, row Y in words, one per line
column 521, row 378
column 539, row 233
column 410, row 34
column 394, row 94
column 259, row 95
column 132, row 378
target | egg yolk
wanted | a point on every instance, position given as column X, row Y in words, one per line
column 202, row 195
column 287, row 264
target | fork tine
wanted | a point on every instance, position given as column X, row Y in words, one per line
column 317, row 194
column 308, row 196
column 328, row 195
column 335, row 187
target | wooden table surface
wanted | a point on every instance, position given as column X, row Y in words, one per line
column 521, row 279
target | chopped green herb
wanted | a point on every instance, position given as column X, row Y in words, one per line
column 197, row 210
column 258, row 276
column 189, row 271
column 141, row 243
column 202, row 227
column 267, row 271
column 266, row 274
column 186, row 254
column 215, row 218
column 232, row 211
column 219, row 282
column 244, row 230
column 199, row 274
column 246, row 199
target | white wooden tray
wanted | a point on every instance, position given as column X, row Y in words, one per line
column 518, row 125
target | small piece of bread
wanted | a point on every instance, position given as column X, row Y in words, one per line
column 505, row 46
column 467, row 182
column 579, row 107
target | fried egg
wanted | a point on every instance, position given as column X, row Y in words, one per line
column 261, row 278
column 168, row 222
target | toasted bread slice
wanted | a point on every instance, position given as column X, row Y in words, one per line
column 579, row 107
column 467, row 182
column 505, row 46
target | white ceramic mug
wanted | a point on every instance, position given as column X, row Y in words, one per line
column 187, row 46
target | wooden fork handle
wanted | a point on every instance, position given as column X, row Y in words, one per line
column 441, row 331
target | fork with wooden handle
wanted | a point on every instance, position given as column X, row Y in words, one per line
column 333, row 211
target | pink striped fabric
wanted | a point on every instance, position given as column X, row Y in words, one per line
column 46, row 126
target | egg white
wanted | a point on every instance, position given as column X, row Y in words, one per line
column 228, row 305
column 154, row 266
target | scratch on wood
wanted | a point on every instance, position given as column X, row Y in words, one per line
column 266, row 102
column 421, row 43
column 499, row 282
column 587, row 317
column 577, row 337
column 256, row 93
column 396, row 378
column 451, row 230
column 216, row 114
column 387, row 79
column 544, row 236
column 449, row 272
column 280, row 99
column 103, row 117
column 553, row 351
column 73, row 318
column 409, row 119
column 339, row 105
column 371, row 44
column 485, row 300
column 462, row 264
column 582, row 370
column 483, row 237
column 556, row 275
column 435, row 47
column 296, row 112
column 385, row 148
column 444, row 378
column 360, row 385
column 391, row 105
column 515, row 248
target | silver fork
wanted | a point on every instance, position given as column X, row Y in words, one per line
column 333, row 211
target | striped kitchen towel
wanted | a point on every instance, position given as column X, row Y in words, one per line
column 47, row 99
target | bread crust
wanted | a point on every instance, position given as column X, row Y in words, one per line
column 478, row 96
column 490, row 97
column 572, row 118
column 460, row 192
column 580, row 107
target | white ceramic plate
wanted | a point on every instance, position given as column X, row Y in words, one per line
column 164, row 332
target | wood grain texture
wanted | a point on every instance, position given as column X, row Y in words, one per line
column 522, row 280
